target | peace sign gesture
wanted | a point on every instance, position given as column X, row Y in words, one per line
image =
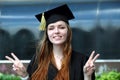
column 89, row 67
column 18, row 66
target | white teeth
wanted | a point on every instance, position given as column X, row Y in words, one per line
column 57, row 37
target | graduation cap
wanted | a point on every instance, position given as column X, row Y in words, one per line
column 59, row 13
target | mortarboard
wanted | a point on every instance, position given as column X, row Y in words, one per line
column 59, row 13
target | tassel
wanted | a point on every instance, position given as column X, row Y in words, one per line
column 42, row 26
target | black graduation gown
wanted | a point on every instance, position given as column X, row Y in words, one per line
column 77, row 62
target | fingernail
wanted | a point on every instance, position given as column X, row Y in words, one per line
column 11, row 53
column 93, row 51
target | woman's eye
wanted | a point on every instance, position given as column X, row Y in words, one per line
column 51, row 28
column 62, row 27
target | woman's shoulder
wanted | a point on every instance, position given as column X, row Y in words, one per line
column 78, row 54
column 78, row 57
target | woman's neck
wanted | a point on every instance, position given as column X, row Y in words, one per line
column 58, row 56
column 58, row 50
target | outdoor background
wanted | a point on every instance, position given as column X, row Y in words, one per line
column 96, row 26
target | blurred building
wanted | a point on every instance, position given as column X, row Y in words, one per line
column 96, row 26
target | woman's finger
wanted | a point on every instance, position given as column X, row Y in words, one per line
column 90, row 68
column 91, row 56
column 94, row 59
column 9, row 58
column 14, row 69
column 14, row 56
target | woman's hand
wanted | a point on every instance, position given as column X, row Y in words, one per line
column 89, row 67
column 18, row 66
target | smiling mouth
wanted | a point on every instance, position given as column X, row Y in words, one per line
column 57, row 37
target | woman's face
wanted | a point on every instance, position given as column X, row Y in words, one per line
column 57, row 32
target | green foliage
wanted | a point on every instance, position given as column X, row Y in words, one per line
column 112, row 75
column 8, row 77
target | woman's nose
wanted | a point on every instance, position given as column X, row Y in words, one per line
column 56, row 30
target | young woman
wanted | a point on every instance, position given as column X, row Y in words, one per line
column 54, row 58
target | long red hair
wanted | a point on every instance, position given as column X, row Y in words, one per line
column 43, row 58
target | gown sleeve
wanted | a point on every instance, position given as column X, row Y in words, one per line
column 77, row 63
column 32, row 66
